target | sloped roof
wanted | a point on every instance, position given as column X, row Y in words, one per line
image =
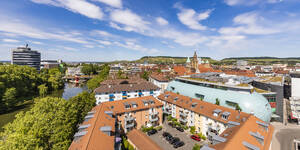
column 141, row 140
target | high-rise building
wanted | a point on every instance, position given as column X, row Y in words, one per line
column 26, row 56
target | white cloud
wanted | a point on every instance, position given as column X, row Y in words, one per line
column 112, row 3
column 104, row 42
column 249, row 2
column 161, row 21
column 133, row 46
column 19, row 28
column 68, row 48
column 77, row 6
column 102, row 33
column 89, row 46
column 192, row 19
column 36, row 42
column 129, row 21
column 249, row 23
column 10, row 40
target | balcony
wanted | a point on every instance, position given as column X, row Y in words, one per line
column 129, row 125
column 183, row 114
column 183, row 120
column 169, row 112
column 153, row 112
column 129, row 118
column 153, row 118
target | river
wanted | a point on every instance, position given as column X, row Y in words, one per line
column 69, row 90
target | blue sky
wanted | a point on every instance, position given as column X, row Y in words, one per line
column 105, row 30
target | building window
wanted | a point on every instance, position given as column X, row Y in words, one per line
column 200, row 96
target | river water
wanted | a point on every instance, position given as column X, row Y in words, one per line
column 70, row 90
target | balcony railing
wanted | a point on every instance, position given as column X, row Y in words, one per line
column 129, row 125
column 183, row 114
column 130, row 118
column 183, row 120
column 153, row 118
column 167, row 112
column 153, row 112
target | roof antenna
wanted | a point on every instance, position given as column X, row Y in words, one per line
column 26, row 45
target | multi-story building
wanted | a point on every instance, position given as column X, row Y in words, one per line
column 26, row 56
column 224, row 127
column 295, row 85
column 120, row 89
column 159, row 80
column 104, row 124
column 48, row 64
column 231, row 91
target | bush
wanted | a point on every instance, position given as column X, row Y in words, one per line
column 169, row 118
column 203, row 137
column 185, row 127
column 158, row 128
column 145, row 129
column 174, row 119
column 197, row 147
column 192, row 129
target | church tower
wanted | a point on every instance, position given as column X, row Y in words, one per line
column 194, row 63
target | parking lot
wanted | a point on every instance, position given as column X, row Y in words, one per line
column 164, row 144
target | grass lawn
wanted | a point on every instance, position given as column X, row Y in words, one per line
column 10, row 116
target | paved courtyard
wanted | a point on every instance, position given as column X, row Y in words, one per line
column 184, row 136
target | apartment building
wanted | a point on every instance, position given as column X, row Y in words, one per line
column 27, row 57
column 120, row 89
column 103, row 125
column 159, row 80
column 214, row 120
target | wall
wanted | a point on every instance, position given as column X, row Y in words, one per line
column 295, row 85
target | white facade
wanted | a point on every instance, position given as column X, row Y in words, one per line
column 162, row 85
column 295, row 88
column 105, row 97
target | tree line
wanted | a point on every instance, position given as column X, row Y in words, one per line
column 95, row 81
column 19, row 82
column 49, row 124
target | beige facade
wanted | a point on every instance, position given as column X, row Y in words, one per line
column 137, row 119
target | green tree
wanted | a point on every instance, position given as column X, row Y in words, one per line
column 95, row 81
column 192, row 129
column 217, row 101
column 9, row 97
column 197, row 147
column 43, row 90
column 145, row 75
column 237, row 107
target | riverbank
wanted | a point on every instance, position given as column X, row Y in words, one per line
column 10, row 116
column 67, row 92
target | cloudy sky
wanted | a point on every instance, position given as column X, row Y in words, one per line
column 105, row 30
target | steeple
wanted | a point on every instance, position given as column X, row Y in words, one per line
column 188, row 60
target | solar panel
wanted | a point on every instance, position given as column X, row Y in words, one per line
column 253, row 147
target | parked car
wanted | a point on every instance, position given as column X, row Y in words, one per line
column 169, row 137
column 174, row 140
column 166, row 134
column 151, row 132
column 179, row 129
column 196, row 137
column 178, row 144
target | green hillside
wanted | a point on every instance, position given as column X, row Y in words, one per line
column 263, row 60
column 168, row 59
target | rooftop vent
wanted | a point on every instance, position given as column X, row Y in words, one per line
column 194, row 105
column 106, row 129
column 250, row 146
column 110, row 113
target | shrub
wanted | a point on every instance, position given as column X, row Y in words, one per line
column 159, row 128
column 197, row 147
column 192, row 129
column 169, row 118
column 185, row 127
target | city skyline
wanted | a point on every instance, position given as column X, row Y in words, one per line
column 107, row 30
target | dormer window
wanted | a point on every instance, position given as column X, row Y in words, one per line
column 134, row 104
column 175, row 99
column 151, row 101
column 225, row 115
column 264, row 125
column 216, row 112
column 258, row 137
column 194, row 105
column 145, row 102
column 126, row 105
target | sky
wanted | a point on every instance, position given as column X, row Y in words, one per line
column 107, row 30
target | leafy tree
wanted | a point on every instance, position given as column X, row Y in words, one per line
column 217, row 101
column 95, row 82
column 192, row 129
column 145, row 75
column 197, row 147
column 90, row 69
column 43, row 89
column 9, row 97
column 237, row 107
column 50, row 124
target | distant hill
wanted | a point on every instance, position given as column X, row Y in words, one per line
column 168, row 59
column 262, row 60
